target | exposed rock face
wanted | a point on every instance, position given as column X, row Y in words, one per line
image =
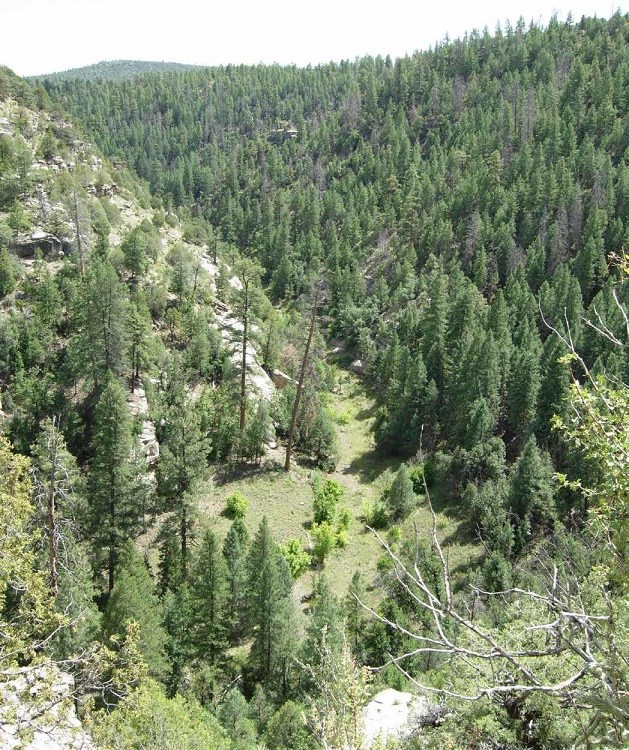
column 357, row 367
column 281, row 379
column 25, row 245
column 139, row 407
column 37, row 712
column 395, row 715
column 231, row 333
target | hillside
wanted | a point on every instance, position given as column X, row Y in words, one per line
column 323, row 382
column 114, row 70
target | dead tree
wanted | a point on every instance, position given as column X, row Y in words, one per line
column 302, row 376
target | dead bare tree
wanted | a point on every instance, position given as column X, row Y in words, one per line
column 302, row 376
column 568, row 636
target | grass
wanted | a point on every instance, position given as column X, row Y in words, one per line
column 286, row 498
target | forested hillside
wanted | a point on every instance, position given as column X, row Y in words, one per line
column 454, row 225
column 114, row 70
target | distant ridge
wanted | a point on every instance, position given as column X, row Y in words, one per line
column 116, row 70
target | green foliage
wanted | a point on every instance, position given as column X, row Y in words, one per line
column 327, row 496
column 7, row 273
column 401, row 497
column 116, row 491
column 287, row 729
column 208, row 598
column 133, row 599
column 297, row 558
column 323, row 539
column 26, row 613
column 236, row 505
column 148, row 718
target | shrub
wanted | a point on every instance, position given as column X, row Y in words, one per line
column 375, row 514
column 326, row 499
column 324, row 540
column 416, row 475
column 296, row 556
column 237, row 505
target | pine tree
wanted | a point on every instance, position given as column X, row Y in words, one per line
column 133, row 598
column 209, row 590
column 99, row 318
column 114, row 492
column 401, row 497
column 7, row 274
column 133, row 248
column 531, row 496
column 326, row 620
column 235, row 553
column 183, row 456
column 268, row 592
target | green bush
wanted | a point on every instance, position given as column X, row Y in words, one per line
column 237, row 505
column 296, row 556
column 326, row 499
column 324, row 540
column 375, row 514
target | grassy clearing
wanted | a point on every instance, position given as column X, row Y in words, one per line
column 286, row 499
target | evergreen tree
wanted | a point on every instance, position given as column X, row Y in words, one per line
column 401, row 497
column 7, row 274
column 133, row 598
column 269, row 615
column 531, row 496
column 99, row 318
column 183, row 453
column 235, row 553
column 209, row 590
column 115, row 493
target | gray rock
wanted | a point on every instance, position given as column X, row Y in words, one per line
column 395, row 715
column 37, row 712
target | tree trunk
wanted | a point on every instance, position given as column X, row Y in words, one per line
column 243, row 374
column 300, row 386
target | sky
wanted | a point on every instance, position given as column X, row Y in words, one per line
column 44, row 36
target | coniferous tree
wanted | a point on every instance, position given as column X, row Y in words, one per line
column 133, row 598
column 183, row 455
column 531, row 496
column 401, row 497
column 99, row 319
column 208, row 589
column 235, row 553
column 115, row 493
column 268, row 605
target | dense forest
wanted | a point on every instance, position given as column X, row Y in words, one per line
column 177, row 313
column 115, row 70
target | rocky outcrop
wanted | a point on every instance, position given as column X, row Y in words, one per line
column 395, row 715
column 37, row 712
column 26, row 245
column 281, row 379
column 231, row 329
column 139, row 407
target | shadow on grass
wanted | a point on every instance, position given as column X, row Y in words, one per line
column 464, row 533
column 368, row 413
column 368, row 466
column 445, row 501
column 236, row 472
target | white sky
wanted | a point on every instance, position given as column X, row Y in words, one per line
column 43, row 36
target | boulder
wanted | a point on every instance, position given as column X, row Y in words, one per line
column 281, row 379
column 25, row 245
column 395, row 715
column 37, row 711
column 357, row 367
